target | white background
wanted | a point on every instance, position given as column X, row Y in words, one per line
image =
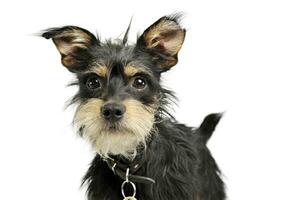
column 230, row 62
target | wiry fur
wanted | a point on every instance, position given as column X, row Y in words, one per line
column 178, row 161
column 174, row 155
column 130, row 134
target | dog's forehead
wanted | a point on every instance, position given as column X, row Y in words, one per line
column 128, row 69
column 111, row 58
column 113, row 53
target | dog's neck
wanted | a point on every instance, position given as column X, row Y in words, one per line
column 119, row 166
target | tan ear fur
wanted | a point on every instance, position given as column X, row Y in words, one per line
column 74, row 45
column 165, row 37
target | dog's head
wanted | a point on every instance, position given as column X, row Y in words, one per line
column 119, row 95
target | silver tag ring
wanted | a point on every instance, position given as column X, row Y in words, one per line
column 133, row 186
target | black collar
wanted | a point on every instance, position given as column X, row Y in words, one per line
column 120, row 165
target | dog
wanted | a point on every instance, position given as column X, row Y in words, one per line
column 142, row 152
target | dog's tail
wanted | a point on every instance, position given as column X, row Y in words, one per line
column 208, row 126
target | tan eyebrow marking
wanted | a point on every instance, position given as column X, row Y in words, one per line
column 131, row 70
column 100, row 70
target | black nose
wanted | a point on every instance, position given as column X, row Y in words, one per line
column 113, row 111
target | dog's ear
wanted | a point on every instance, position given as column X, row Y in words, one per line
column 163, row 39
column 74, row 44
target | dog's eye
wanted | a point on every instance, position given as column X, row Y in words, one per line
column 93, row 83
column 139, row 83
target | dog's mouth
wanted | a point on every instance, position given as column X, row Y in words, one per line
column 113, row 127
column 116, row 137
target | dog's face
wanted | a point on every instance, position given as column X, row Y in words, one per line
column 119, row 91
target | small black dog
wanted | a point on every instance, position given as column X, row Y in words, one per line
column 142, row 151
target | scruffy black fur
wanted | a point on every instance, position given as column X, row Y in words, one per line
column 175, row 156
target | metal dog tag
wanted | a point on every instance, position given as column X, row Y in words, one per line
column 123, row 193
column 129, row 198
column 132, row 185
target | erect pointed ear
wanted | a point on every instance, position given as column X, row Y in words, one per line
column 74, row 44
column 163, row 39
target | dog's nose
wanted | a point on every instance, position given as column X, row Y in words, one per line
column 112, row 111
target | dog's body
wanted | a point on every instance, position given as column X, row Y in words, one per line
column 122, row 113
column 177, row 159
